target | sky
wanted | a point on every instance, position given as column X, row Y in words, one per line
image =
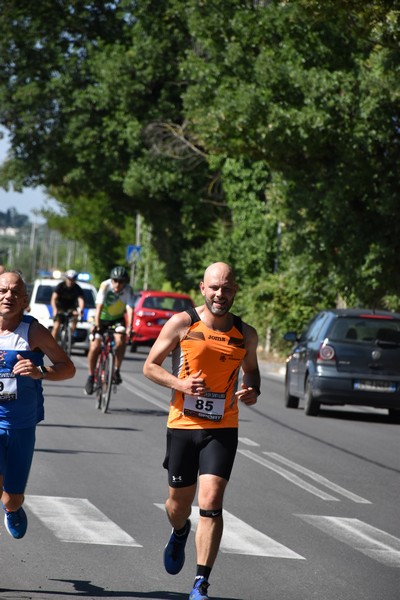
column 24, row 202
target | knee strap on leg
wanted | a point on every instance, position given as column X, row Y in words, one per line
column 210, row 513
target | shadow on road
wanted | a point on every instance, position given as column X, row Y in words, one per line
column 348, row 415
column 86, row 589
column 139, row 411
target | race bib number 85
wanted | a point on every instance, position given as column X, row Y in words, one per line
column 210, row 406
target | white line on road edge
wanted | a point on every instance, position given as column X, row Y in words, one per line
column 241, row 538
column 163, row 405
column 148, row 386
column 78, row 520
column 319, row 478
column 289, row 476
column 248, row 442
column 373, row 542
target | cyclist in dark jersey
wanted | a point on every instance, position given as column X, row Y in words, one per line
column 67, row 297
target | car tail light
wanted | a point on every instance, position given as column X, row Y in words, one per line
column 375, row 316
column 326, row 354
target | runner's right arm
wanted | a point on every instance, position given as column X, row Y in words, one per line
column 170, row 336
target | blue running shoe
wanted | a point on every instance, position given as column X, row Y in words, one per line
column 174, row 553
column 199, row 591
column 16, row 523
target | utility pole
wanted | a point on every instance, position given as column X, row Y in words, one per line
column 33, row 249
column 135, row 256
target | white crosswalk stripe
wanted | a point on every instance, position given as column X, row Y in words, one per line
column 78, row 520
column 373, row 542
column 241, row 538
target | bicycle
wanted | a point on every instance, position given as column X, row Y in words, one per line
column 104, row 372
column 65, row 331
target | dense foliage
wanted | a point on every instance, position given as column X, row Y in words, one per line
column 264, row 133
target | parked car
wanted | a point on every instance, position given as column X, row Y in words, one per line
column 152, row 310
column 40, row 308
column 346, row 356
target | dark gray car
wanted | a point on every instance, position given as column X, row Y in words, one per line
column 346, row 356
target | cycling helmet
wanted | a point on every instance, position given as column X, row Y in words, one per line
column 119, row 273
column 71, row 274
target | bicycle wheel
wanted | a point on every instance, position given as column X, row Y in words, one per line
column 107, row 382
column 68, row 339
column 98, row 380
column 64, row 337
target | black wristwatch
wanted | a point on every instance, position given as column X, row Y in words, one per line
column 43, row 371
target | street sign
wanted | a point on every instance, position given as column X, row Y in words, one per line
column 133, row 253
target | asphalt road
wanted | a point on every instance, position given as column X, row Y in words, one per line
column 311, row 512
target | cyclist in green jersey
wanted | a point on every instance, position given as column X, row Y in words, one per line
column 115, row 296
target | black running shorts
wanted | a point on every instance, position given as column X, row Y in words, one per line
column 193, row 452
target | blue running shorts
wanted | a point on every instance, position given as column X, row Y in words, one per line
column 16, row 453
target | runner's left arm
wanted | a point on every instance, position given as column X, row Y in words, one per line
column 250, row 388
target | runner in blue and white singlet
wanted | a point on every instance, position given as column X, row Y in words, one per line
column 21, row 398
column 23, row 344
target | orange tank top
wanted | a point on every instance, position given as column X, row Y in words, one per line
column 219, row 355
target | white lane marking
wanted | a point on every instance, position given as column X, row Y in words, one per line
column 319, row 478
column 78, row 520
column 247, row 442
column 148, row 386
column 163, row 405
column 373, row 542
column 289, row 476
column 134, row 383
column 241, row 538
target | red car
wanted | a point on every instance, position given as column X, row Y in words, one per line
column 152, row 310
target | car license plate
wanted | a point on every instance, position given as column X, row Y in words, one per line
column 161, row 321
column 367, row 385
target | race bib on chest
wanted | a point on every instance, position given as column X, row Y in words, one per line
column 211, row 406
column 8, row 387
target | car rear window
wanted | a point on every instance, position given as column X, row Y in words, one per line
column 316, row 326
column 365, row 330
column 43, row 294
column 90, row 300
column 167, row 303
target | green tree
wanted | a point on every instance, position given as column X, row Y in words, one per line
column 263, row 133
column 313, row 91
column 83, row 83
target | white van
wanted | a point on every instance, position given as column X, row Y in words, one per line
column 40, row 308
